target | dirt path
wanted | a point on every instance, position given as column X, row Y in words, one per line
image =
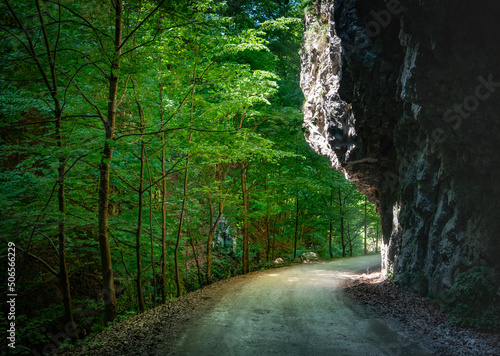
column 298, row 310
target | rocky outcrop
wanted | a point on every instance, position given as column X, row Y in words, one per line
column 309, row 257
column 403, row 96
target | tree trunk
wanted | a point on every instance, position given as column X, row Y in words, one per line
column 376, row 241
column 163, row 205
column 198, row 269
column 209, row 242
column 186, row 173
column 296, row 223
column 151, row 216
column 350, row 238
column 330, row 238
column 151, row 235
column 181, row 221
column 211, row 233
column 341, row 223
column 140, row 296
column 63, row 271
column 52, row 87
column 140, row 192
column 365, row 248
column 274, row 237
column 108, row 288
column 268, row 236
column 246, row 259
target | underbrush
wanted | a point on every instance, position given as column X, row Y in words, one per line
column 475, row 302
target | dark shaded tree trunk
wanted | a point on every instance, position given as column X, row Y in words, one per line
column 140, row 206
column 296, row 223
column 108, row 287
column 213, row 226
column 54, row 92
column 151, row 235
column 246, row 259
column 330, row 237
column 140, row 296
column 198, row 269
column 349, row 237
column 181, row 221
column 365, row 222
column 63, row 271
column 268, row 236
column 274, row 237
column 341, row 223
column 163, row 205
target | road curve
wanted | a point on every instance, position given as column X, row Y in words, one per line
column 296, row 310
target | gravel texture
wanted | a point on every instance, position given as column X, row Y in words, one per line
column 420, row 317
column 311, row 308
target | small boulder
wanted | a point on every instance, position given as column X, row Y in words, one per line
column 279, row 261
column 309, row 257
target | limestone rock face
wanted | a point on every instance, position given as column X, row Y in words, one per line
column 403, row 96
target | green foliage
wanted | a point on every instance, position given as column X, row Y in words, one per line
column 35, row 329
column 475, row 303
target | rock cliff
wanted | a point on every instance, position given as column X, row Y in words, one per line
column 403, row 96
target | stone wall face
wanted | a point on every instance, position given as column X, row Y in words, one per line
column 403, row 96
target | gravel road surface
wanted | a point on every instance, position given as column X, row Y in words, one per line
column 296, row 310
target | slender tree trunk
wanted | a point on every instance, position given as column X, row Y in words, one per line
column 186, row 174
column 209, row 242
column 151, row 231
column 63, row 271
column 268, row 236
column 108, row 288
column 246, row 259
column 330, row 238
column 274, row 237
column 181, row 221
column 296, row 200
column 163, row 206
column 52, row 86
column 140, row 192
column 296, row 223
column 200, row 280
column 365, row 248
column 341, row 223
column 151, row 235
column 211, row 233
column 140, row 296
column 376, row 241
column 350, row 238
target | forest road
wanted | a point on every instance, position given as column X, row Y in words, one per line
column 296, row 310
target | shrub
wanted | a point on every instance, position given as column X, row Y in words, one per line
column 475, row 303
